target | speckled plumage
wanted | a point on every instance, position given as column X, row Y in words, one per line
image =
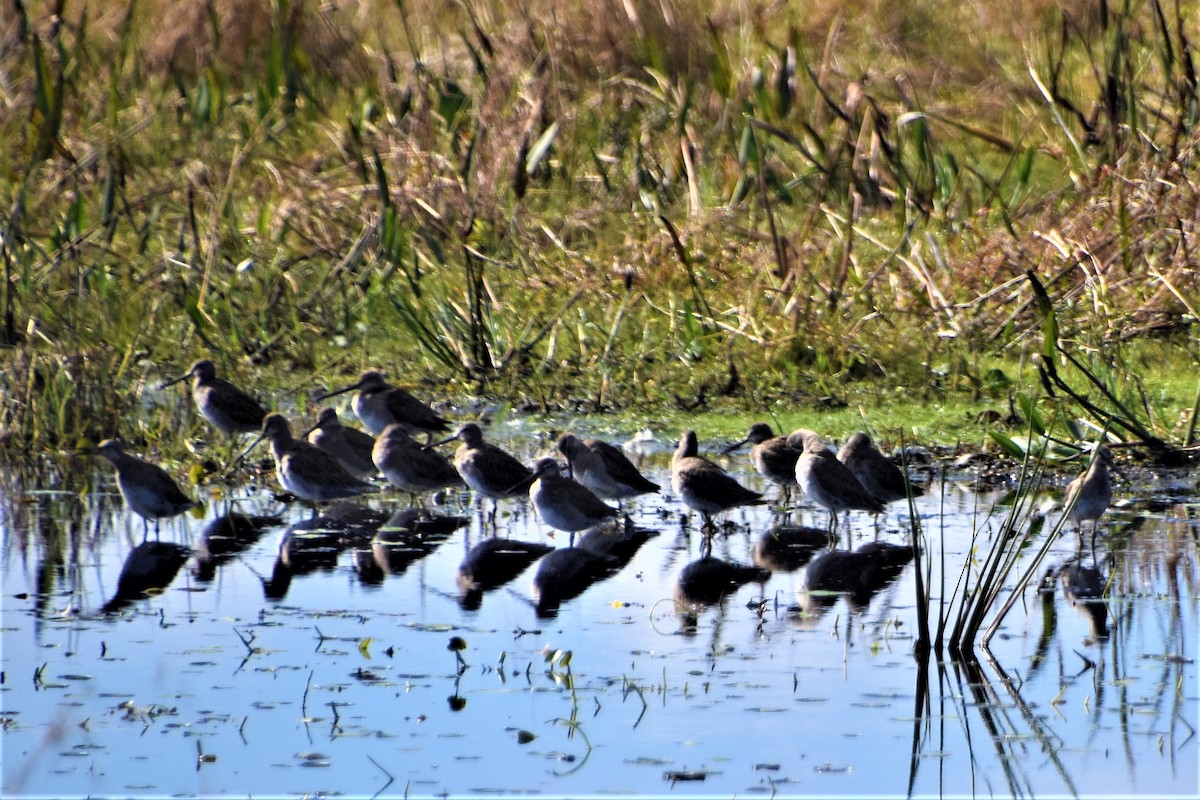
column 488, row 469
column 875, row 471
column 827, row 481
column 409, row 465
column 1089, row 495
column 773, row 456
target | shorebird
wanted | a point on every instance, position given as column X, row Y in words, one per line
column 564, row 503
column 379, row 404
column 486, row 468
column 704, row 486
column 227, row 407
column 773, row 456
column 145, row 487
column 875, row 471
column 410, row 466
column 829, row 482
column 304, row 469
column 603, row 468
column 1088, row 496
column 350, row 446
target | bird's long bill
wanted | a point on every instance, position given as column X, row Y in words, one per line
column 336, row 392
column 174, row 381
column 514, row 487
column 303, row 435
column 241, row 456
column 733, row 447
column 441, row 441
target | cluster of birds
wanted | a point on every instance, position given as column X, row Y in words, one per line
column 335, row 461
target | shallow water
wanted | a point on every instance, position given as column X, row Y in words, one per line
column 248, row 677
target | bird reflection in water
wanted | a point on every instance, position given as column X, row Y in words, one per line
column 706, row 582
column 406, row 537
column 227, row 536
column 149, row 569
column 567, row 572
column 858, row 575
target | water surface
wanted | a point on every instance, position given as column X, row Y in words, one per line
column 267, row 668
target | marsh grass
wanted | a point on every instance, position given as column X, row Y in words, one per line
column 669, row 205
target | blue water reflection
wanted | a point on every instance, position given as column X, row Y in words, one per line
column 289, row 655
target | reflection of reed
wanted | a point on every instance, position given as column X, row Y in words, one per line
column 1161, row 551
column 976, row 694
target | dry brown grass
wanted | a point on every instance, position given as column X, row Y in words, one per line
column 876, row 238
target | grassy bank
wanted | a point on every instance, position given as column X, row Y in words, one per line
column 677, row 207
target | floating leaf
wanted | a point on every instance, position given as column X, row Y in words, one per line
column 1009, row 447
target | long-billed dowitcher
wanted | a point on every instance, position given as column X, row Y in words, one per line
column 829, row 482
column 350, row 446
column 564, row 503
column 875, row 471
column 410, row 466
column 1088, row 496
column 703, row 486
column 773, row 456
column 489, row 470
column 304, row 469
column 228, row 408
column 146, row 487
column 379, row 404
column 603, row 468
